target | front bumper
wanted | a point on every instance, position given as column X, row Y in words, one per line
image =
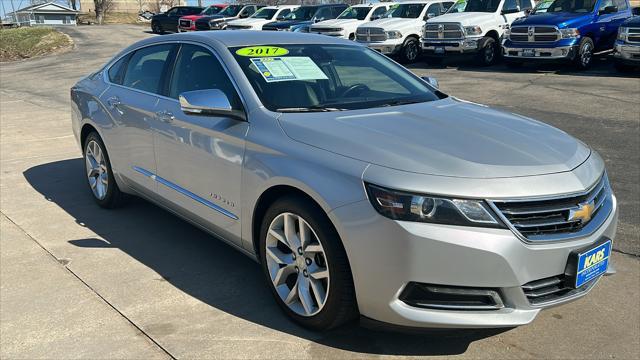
column 387, row 47
column 627, row 53
column 386, row 255
column 442, row 46
column 563, row 50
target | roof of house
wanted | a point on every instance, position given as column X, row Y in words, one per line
column 50, row 7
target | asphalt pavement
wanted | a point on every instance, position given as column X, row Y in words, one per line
column 77, row 281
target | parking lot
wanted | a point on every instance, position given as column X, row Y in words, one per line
column 78, row 281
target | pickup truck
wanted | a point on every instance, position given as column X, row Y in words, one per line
column 346, row 24
column 188, row 23
column 568, row 31
column 261, row 17
column 398, row 33
column 168, row 21
column 303, row 17
column 219, row 21
column 472, row 27
column 627, row 50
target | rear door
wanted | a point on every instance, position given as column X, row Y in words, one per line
column 131, row 100
column 200, row 157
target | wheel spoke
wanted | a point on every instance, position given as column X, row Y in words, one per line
column 313, row 248
column 278, row 256
column 280, row 237
column 282, row 274
column 303, row 230
column 290, row 232
column 293, row 294
column 322, row 273
column 318, row 291
column 305, row 296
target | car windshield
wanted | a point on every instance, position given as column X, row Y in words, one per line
column 486, row 6
column 359, row 13
column 264, row 13
column 211, row 10
column 301, row 13
column 572, row 6
column 407, row 11
column 327, row 77
column 231, row 10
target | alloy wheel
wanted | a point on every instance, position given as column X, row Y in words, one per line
column 586, row 55
column 411, row 51
column 489, row 53
column 297, row 264
column 96, row 167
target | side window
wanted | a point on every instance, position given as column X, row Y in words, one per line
column 604, row 4
column 524, row 5
column 433, row 10
column 447, row 5
column 172, row 12
column 323, row 13
column 621, row 4
column 197, row 69
column 283, row 13
column 378, row 12
column 116, row 71
column 337, row 10
column 146, row 67
column 510, row 5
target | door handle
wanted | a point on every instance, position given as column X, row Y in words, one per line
column 113, row 102
column 165, row 116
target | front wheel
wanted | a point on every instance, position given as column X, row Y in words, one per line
column 488, row 53
column 410, row 51
column 584, row 56
column 156, row 28
column 305, row 265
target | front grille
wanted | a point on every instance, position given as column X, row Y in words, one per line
column 185, row 24
column 202, row 25
column 434, row 31
column 371, row 34
column 561, row 217
column 325, row 29
column 534, row 34
column 634, row 35
column 551, row 290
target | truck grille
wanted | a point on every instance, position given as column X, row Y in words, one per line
column 368, row 34
column 202, row 25
column 436, row 31
column 325, row 29
column 552, row 290
column 534, row 34
column 559, row 218
column 185, row 24
column 633, row 35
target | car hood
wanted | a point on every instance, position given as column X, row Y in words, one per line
column 558, row 19
column 214, row 17
column 336, row 23
column 395, row 23
column 247, row 21
column 448, row 137
column 632, row 21
column 287, row 24
column 466, row 19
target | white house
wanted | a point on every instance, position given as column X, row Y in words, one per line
column 50, row 13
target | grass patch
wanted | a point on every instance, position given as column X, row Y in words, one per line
column 27, row 42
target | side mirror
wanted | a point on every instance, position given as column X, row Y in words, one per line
column 528, row 12
column 375, row 17
column 431, row 81
column 211, row 102
column 429, row 16
column 608, row 10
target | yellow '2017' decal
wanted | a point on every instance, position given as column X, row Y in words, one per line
column 258, row 51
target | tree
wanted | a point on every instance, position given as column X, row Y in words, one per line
column 103, row 7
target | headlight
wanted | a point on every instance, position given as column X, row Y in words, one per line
column 404, row 206
column 622, row 33
column 394, row 34
column 215, row 24
column 569, row 33
column 473, row 30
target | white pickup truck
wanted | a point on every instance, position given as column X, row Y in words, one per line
column 472, row 27
column 398, row 33
column 345, row 24
column 261, row 17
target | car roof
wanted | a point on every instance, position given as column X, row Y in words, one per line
column 247, row 38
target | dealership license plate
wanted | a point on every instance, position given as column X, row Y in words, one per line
column 592, row 263
column 439, row 50
column 528, row 52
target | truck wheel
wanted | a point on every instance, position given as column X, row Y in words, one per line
column 156, row 28
column 488, row 53
column 410, row 51
column 584, row 56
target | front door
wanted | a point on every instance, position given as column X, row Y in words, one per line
column 200, row 158
column 131, row 100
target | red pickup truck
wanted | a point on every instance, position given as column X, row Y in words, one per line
column 188, row 23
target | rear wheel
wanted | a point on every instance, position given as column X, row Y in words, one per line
column 584, row 57
column 305, row 265
column 410, row 51
column 488, row 54
column 100, row 175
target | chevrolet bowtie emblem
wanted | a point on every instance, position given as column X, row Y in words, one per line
column 583, row 213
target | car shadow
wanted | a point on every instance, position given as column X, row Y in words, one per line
column 212, row 271
column 602, row 66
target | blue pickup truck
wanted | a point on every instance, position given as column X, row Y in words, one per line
column 565, row 30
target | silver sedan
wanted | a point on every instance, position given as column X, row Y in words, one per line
column 361, row 189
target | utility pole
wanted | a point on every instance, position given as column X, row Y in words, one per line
column 15, row 16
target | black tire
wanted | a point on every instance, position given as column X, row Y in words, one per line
column 623, row 68
column 156, row 28
column 584, row 57
column 488, row 53
column 114, row 197
column 352, row 37
column 410, row 51
column 340, row 306
column 511, row 64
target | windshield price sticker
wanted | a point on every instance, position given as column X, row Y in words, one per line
column 288, row 69
column 262, row 51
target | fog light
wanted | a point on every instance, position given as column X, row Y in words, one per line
column 450, row 297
